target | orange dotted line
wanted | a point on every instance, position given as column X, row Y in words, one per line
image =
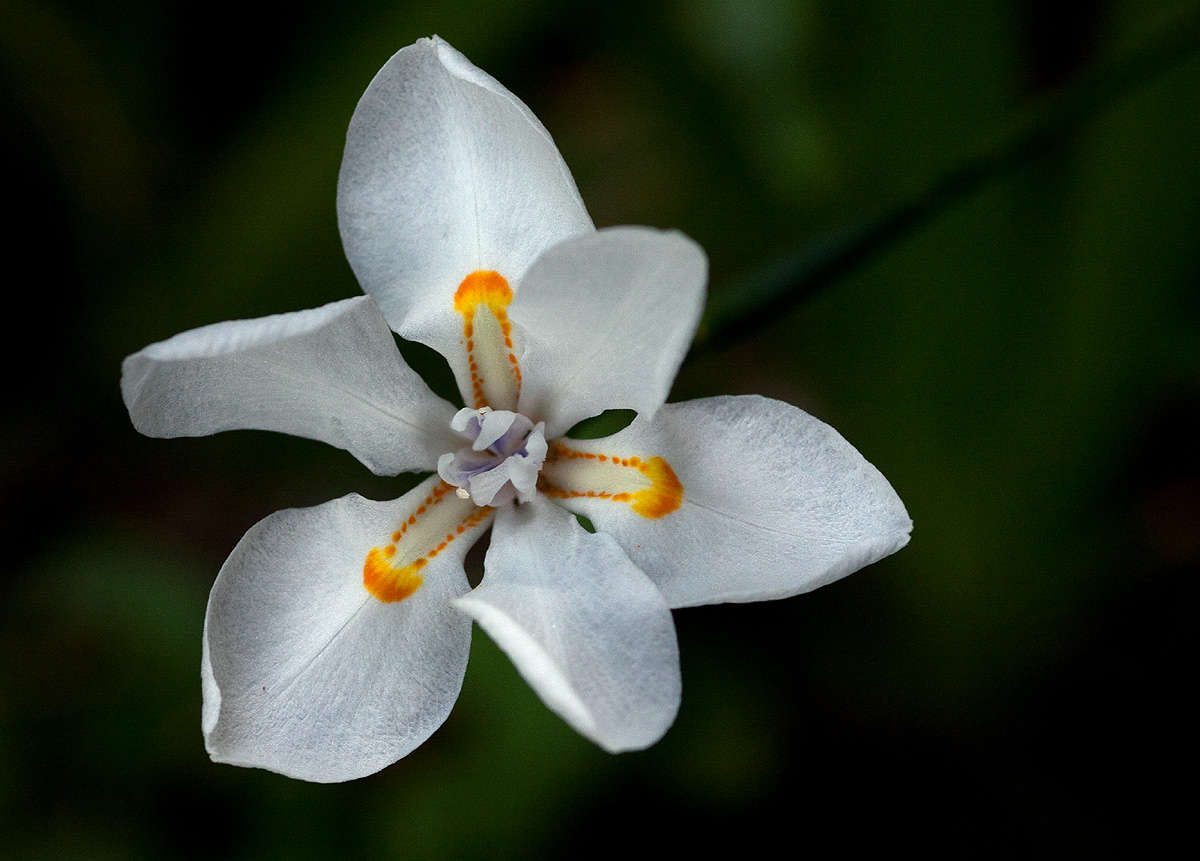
column 664, row 495
column 431, row 500
column 476, row 382
column 557, row 449
column 491, row 289
column 506, row 328
column 557, row 492
column 388, row 583
column 466, row 523
column 472, row 365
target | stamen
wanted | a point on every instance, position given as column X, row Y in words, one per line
column 462, row 493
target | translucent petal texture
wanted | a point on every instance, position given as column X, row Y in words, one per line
column 332, row 374
column 582, row 624
column 447, row 173
column 304, row 671
column 773, row 503
column 607, row 318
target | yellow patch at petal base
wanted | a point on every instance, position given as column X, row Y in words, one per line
column 391, row 573
column 390, row 584
column 665, row 493
column 482, row 299
column 648, row 485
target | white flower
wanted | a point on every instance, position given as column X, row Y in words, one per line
column 337, row 636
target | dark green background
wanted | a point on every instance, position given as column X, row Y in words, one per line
column 1024, row 367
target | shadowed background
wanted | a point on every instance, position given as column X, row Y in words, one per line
column 1023, row 364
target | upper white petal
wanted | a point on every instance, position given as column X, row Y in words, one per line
column 582, row 624
column 306, row 673
column 332, row 373
column 775, row 502
column 607, row 318
column 446, row 172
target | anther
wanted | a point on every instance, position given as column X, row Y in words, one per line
column 462, row 493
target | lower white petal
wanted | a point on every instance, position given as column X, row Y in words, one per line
column 305, row 670
column 331, row 373
column 588, row 631
column 732, row 499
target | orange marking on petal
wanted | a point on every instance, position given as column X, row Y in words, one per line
column 390, row 584
column 665, row 493
column 391, row 573
column 657, row 496
column 488, row 291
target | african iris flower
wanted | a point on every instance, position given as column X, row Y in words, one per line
column 336, row 637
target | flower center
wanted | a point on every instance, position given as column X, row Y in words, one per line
column 502, row 461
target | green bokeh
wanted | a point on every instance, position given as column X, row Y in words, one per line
column 1024, row 368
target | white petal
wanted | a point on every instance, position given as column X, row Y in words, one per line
column 446, row 173
column 583, row 625
column 607, row 318
column 305, row 672
column 332, row 374
column 774, row 502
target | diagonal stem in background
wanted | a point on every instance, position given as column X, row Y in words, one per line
column 782, row 286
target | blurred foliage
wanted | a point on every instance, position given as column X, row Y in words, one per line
column 1023, row 365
